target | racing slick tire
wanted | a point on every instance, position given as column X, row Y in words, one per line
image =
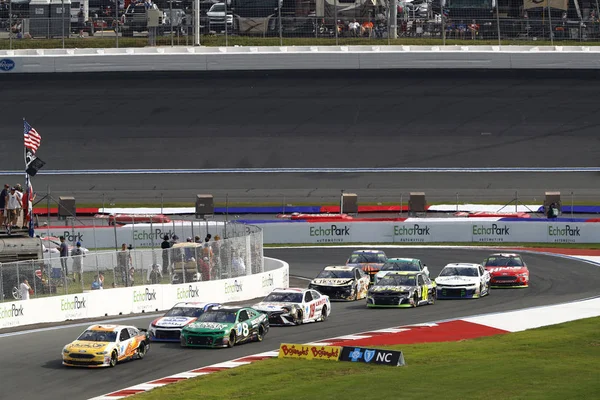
column 415, row 300
column 355, row 297
column 141, row 351
column 433, row 296
column 299, row 318
column 324, row 314
column 232, row 339
column 113, row 359
column 260, row 334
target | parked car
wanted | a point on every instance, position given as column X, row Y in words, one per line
column 135, row 19
column 216, row 18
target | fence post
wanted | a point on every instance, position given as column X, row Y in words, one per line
column 498, row 22
column 279, row 2
column 117, row 22
column 550, row 23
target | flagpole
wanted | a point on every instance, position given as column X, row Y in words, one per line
column 29, row 194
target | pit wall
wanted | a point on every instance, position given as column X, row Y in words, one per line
column 138, row 299
column 297, row 57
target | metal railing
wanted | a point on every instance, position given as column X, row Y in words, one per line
column 241, row 253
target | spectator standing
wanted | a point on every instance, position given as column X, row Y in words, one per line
column 13, row 206
column 165, row 246
column 123, row 263
column 154, row 276
column 25, row 290
column 81, row 22
column 216, row 246
column 3, row 198
column 238, row 265
column 207, row 251
column 64, row 253
column 77, row 255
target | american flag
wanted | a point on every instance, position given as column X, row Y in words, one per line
column 32, row 138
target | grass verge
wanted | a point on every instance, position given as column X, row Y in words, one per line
column 557, row 362
column 213, row 41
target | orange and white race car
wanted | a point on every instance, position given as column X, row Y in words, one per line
column 105, row 346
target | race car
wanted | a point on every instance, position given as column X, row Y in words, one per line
column 294, row 306
column 225, row 327
column 168, row 327
column 402, row 289
column 105, row 346
column 370, row 261
column 507, row 270
column 347, row 282
column 463, row 281
column 401, row 264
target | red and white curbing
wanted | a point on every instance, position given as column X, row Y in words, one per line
column 443, row 331
column 418, row 333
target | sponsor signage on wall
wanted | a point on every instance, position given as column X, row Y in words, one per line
column 136, row 299
column 309, row 352
column 426, row 230
column 372, row 356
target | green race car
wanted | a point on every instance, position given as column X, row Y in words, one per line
column 225, row 327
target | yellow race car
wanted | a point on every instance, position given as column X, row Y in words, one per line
column 105, row 346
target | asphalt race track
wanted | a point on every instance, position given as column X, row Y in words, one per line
column 432, row 118
column 32, row 366
column 306, row 119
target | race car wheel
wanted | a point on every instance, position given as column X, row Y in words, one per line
column 260, row 334
column 232, row 339
column 15, row 293
column 299, row 318
column 355, row 297
column 324, row 313
column 113, row 359
column 433, row 296
column 141, row 352
column 415, row 300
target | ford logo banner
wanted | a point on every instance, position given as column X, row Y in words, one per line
column 6, row 64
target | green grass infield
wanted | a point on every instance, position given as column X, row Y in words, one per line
column 98, row 41
column 557, row 362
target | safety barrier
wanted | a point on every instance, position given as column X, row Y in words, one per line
column 149, row 298
column 430, row 230
column 410, row 230
column 297, row 57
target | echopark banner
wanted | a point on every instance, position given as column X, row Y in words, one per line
column 420, row 231
column 431, row 231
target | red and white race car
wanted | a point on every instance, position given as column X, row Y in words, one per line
column 507, row 270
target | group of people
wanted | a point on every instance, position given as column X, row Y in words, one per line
column 207, row 256
column 12, row 203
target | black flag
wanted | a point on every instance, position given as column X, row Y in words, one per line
column 34, row 163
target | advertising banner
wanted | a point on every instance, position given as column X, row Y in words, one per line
column 138, row 299
column 373, row 356
column 14, row 314
column 427, row 230
column 309, row 352
column 147, row 298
